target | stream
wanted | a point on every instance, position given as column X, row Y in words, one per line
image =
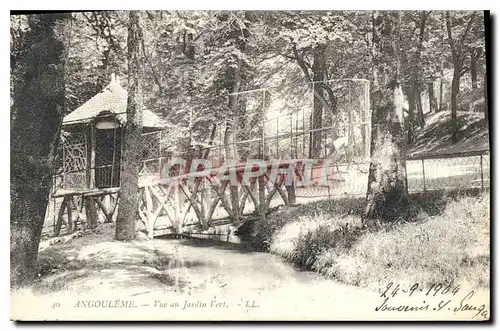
column 198, row 279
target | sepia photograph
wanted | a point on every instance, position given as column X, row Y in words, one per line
column 250, row 165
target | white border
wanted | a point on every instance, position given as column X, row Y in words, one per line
column 208, row 5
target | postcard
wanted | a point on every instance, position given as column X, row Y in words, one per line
column 250, row 166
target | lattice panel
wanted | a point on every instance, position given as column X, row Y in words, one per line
column 74, row 150
column 75, row 180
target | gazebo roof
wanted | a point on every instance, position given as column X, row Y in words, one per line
column 112, row 99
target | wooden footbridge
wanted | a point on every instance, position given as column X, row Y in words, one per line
column 193, row 202
column 90, row 163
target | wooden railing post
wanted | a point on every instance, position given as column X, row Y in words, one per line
column 91, row 212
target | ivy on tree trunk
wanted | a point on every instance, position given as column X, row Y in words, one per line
column 35, row 125
column 387, row 194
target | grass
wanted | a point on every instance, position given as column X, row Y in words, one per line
column 446, row 240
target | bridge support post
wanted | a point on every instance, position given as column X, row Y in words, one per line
column 91, row 212
column 235, row 203
column 290, row 189
column 178, row 208
column 204, row 204
column 262, row 198
column 57, row 229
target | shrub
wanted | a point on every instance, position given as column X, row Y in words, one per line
column 263, row 233
column 302, row 240
column 315, row 241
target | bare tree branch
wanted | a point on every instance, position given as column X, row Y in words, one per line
column 155, row 75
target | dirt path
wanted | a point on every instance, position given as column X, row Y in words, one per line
column 169, row 279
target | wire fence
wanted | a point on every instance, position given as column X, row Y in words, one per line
column 345, row 174
column 456, row 171
column 445, row 172
column 320, row 120
column 328, row 121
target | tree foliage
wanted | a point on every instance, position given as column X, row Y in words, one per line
column 188, row 57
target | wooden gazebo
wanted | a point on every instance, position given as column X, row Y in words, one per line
column 92, row 135
column 88, row 173
column 89, row 177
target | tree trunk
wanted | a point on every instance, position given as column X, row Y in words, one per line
column 455, row 89
column 457, row 55
column 432, row 98
column 237, row 78
column 231, row 136
column 125, row 221
column 206, row 153
column 473, row 72
column 411, row 115
column 474, row 57
column 320, row 102
column 441, row 91
column 485, row 88
column 420, row 109
column 387, row 194
column 232, row 124
column 232, row 157
column 318, row 68
column 188, row 46
column 416, row 73
column 38, row 105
